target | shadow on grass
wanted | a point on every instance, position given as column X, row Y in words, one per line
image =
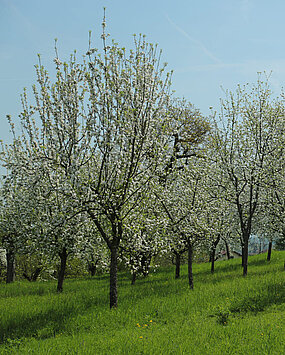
column 272, row 294
column 26, row 288
column 223, row 266
column 49, row 321
column 258, row 262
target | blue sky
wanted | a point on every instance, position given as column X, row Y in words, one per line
column 208, row 43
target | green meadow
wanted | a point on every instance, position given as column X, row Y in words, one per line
column 224, row 314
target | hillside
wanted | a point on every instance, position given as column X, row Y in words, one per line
column 226, row 313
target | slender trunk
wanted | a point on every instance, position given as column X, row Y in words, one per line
column 26, row 276
column 242, row 255
column 92, row 268
column 113, row 277
column 134, row 277
column 269, row 251
column 227, row 250
column 177, row 264
column 61, row 273
column 10, row 257
column 213, row 254
column 34, row 275
column 190, row 262
column 245, row 256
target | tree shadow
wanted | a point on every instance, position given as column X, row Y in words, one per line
column 48, row 322
column 272, row 294
column 258, row 262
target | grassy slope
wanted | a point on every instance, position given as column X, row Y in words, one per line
column 225, row 313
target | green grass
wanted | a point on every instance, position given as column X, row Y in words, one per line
column 225, row 314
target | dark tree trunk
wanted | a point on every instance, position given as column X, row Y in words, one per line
column 113, row 277
column 213, row 254
column 27, row 277
column 177, row 264
column 245, row 256
column 269, row 251
column 10, row 258
column 92, row 265
column 242, row 255
column 190, row 262
column 134, row 277
column 227, row 250
column 61, row 273
column 92, row 269
column 34, row 276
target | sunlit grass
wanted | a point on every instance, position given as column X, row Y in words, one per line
column 226, row 313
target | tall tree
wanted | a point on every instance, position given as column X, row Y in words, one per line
column 245, row 139
column 97, row 134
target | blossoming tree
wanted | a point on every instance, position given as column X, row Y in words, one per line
column 245, row 139
column 97, row 134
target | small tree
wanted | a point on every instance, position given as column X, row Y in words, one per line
column 183, row 203
column 144, row 236
column 16, row 215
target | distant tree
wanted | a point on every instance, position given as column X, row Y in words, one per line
column 245, row 139
column 280, row 243
column 16, row 211
column 183, row 203
column 144, row 237
column 186, row 134
column 220, row 217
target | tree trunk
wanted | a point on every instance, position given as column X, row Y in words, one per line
column 10, row 257
column 113, row 277
column 34, row 275
column 190, row 262
column 245, row 256
column 61, row 273
column 92, row 269
column 26, row 276
column 227, row 250
column 92, row 265
column 177, row 264
column 242, row 255
column 134, row 277
column 269, row 251
column 213, row 254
